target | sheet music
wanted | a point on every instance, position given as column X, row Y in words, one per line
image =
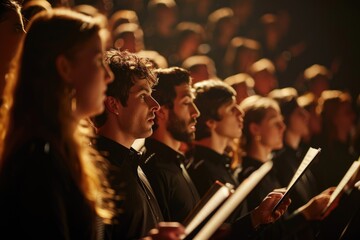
column 309, row 157
column 233, row 201
column 349, row 174
column 208, row 208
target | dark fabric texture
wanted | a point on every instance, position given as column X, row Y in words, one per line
column 289, row 226
column 137, row 208
column 39, row 199
column 333, row 163
column 207, row 167
column 164, row 167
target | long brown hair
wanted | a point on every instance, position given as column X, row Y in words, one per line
column 37, row 101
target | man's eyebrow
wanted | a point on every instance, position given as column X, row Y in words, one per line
column 275, row 117
column 187, row 94
column 142, row 88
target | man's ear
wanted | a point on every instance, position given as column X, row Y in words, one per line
column 64, row 68
column 112, row 105
column 254, row 129
column 162, row 113
column 211, row 124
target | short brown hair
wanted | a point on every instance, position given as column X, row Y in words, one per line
column 210, row 96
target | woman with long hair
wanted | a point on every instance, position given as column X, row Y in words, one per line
column 51, row 181
column 11, row 31
column 263, row 133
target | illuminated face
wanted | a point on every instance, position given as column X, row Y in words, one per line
column 272, row 129
column 135, row 120
column 11, row 31
column 242, row 92
column 265, row 82
column 182, row 118
column 90, row 77
column 231, row 123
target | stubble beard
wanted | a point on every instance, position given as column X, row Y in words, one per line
column 178, row 128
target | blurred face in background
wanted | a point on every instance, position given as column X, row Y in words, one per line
column 345, row 118
column 298, row 122
column 231, row 123
column 271, row 130
column 265, row 82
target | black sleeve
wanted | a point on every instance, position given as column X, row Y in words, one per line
column 32, row 197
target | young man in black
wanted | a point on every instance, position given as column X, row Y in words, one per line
column 130, row 113
column 164, row 163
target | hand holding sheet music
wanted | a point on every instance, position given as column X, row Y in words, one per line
column 313, row 209
column 233, row 201
column 305, row 163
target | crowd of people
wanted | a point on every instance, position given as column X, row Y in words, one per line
column 117, row 117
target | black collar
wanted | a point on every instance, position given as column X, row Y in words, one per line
column 162, row 151
column 201, row 152
column 116, row 153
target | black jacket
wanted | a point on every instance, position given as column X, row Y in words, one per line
column 175, row 192
column 39, row 199
column 336, row 159
column 207, row 167
column 137, row 208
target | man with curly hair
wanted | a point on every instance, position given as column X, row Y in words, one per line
column 129, row 115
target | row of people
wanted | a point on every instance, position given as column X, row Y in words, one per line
column 52, row 181
column 53, row 131
column 231, row 50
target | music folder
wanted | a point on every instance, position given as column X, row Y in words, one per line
column 305, row 163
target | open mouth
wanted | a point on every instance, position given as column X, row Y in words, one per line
column 192, row 126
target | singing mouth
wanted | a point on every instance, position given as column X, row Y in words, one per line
column 192, row 125
column 151, row 119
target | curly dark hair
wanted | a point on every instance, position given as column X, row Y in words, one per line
column 165, row 92
column 127, row 68
column 8, row 6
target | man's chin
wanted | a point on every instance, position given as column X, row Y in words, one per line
column 191, row 137
column 188, row 138
column 146, row 134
